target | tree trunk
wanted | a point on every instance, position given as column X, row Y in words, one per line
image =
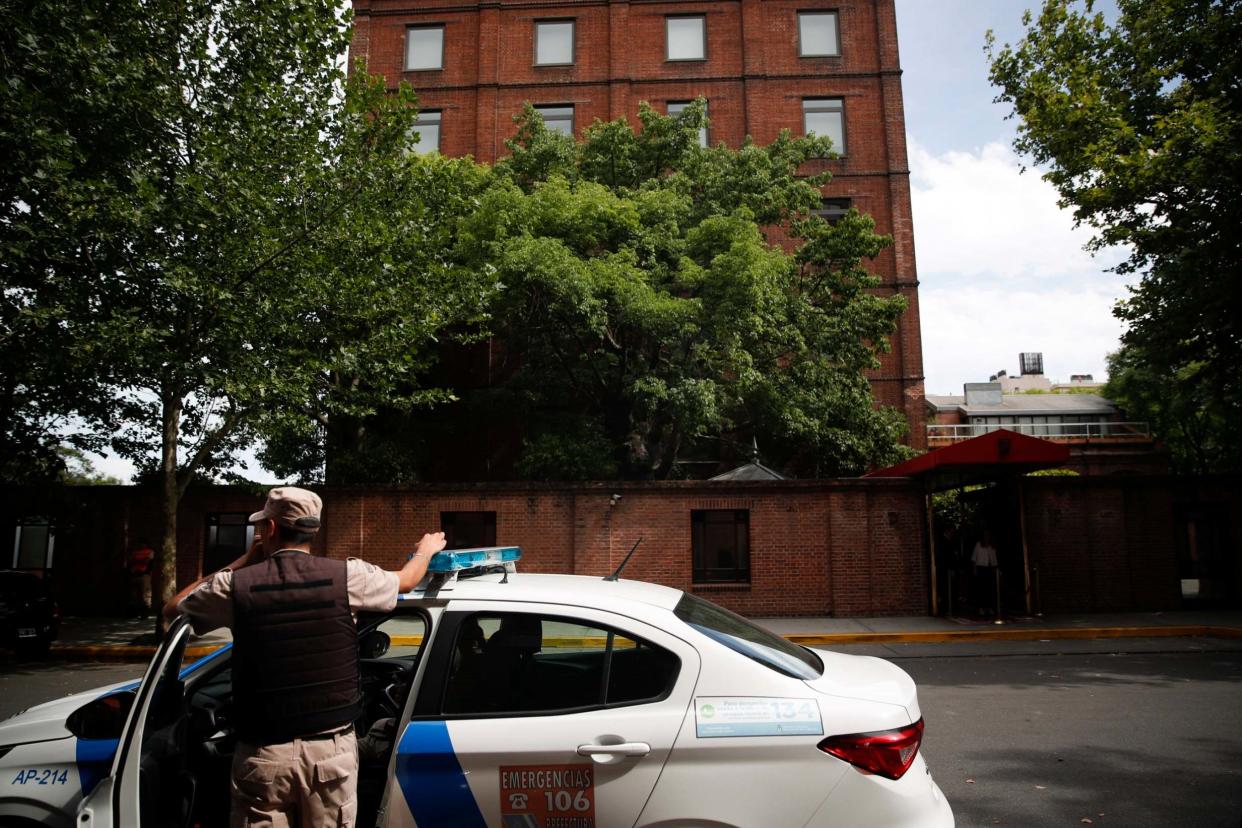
column 164, row 574
column 342, row 450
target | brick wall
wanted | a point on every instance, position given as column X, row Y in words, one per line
column 1105, row 544
column 817, row 548
column 851, row 547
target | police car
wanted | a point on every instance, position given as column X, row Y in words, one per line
column 498, row 698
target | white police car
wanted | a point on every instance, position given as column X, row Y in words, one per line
column 502, row 699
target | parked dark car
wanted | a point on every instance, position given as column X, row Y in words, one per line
column 29, row 617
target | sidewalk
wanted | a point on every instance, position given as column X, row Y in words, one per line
column 113, row 639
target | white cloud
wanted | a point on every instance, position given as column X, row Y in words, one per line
column 969, row 333
column 977, row 214
column 1003, row 270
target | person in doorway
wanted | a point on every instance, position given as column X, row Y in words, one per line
column 983, row 566
column 138, row 564
column 296, row 686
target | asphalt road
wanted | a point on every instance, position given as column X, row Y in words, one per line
column 1136, row 739
column 1132, row 732
column 27, row 683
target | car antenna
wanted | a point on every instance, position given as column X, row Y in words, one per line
column 614, row 576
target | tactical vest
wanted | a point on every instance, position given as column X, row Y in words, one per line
column 295, row 649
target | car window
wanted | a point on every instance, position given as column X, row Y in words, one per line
column 754, row 642
column 405, row 633
column 525, row 663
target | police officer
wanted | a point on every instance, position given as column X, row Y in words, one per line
column 296, row 688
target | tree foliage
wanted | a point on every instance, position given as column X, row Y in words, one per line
column 1139, row 125
column 1198, row 430
column 210, row 231
column 655, row 319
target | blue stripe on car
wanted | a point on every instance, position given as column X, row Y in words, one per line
column 94, row 760
column 185, row 671
column 432, row 779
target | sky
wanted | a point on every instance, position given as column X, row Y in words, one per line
column 1001, row 268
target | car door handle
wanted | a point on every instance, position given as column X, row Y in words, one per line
column 622, row 749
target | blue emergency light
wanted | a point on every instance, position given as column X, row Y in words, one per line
column 457, row 560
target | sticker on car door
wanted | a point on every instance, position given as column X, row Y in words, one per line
column 547, row 796
column 720, row 716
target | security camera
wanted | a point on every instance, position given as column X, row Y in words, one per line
column 612, row 501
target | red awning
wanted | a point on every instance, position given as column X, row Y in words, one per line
column 991, row 456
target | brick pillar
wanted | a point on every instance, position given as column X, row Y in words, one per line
column 487, row 61
column 907, row 341
column 619, row 62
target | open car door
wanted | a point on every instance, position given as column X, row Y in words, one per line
column 148, row 785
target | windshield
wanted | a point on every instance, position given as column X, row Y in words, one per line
column 740, row 635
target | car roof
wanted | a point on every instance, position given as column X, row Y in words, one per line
column 578, row 590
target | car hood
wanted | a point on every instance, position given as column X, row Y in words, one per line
column 46, row 721
column 868, row 679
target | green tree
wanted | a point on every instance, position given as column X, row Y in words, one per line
column 1139, row 125
column 1198, row 431
column 80, row 471
column 655, row 319
column 212, row 230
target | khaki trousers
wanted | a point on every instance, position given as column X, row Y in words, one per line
column 306, row 782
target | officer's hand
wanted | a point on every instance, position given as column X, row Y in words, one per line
column 430, row 544
column 256, row 553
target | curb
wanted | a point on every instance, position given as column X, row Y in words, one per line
column 123, row 652
column 140, row 653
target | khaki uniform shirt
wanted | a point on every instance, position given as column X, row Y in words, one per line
column 210, row 606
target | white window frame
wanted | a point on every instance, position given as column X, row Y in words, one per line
column 427, row 117
column 668, row 41
column 833, row 209
column 836, row 32
column 573, row 41
column 409, row 47
column 48, row 552
column 543, row 109
column 827, row 104
column 680, row 107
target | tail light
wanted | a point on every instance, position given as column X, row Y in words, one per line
column 887, row 753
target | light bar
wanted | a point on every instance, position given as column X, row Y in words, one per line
column 459, row 559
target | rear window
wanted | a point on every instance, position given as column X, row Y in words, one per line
column 740, row 635
column 15, row 585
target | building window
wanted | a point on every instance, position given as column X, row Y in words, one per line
column 678, row 107
column 817, row 34
column 424, row 48
column 833, row 210
column 686, row 38
column 33, row 542
column 228, row 537
column 720, row 540
column 558, row 118
column 468, row 530
column 554, row 42
column 825, row 117
column 426, row 136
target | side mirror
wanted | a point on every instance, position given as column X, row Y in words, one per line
column 103, row 718
column 374, row 644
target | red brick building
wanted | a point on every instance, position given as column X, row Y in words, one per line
column 828, row 66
